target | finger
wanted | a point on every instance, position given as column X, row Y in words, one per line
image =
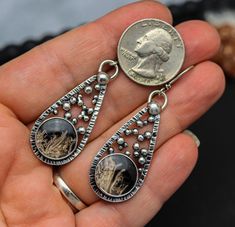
column 23, row 177
column 6, row 149
column 2, row 220
column 31, row 83
column 170, row 167
column 198, row 49
column 15, row 150
column 188, row 100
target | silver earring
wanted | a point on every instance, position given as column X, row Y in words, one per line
column 121, row 165
column 62, row 130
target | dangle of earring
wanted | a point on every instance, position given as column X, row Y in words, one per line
column 120, row 167
column 151, row 53
column 62, row 130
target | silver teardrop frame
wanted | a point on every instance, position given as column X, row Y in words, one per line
column 105, row 152
column 53, row 111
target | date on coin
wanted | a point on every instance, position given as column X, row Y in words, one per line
column 151, row 52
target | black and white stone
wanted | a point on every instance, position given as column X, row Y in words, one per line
column 106, row 165
column 76, row 113
column 56, row 138
column 116, row 174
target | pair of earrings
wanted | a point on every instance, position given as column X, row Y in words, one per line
column 151, row 53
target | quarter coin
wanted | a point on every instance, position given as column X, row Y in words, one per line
column 151, row 52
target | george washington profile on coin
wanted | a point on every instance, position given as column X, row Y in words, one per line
column 153, row 49
column 151, row 52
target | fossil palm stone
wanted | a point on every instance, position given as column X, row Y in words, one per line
column 56, row 138
column 116, row 174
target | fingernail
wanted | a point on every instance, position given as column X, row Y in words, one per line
column 194, row 137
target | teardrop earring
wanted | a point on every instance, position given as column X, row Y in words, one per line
column 62, row 131
column 121, row 165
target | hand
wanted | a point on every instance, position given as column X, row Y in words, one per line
column 32, row 82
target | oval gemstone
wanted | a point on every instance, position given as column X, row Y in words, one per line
column 116, row 175
column 56, row 138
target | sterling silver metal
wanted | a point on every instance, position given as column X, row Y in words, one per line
column 76, row 112
column 111, row 63
column 105, row 151
column 168, row 85
column 159, row 93
column 68, row 193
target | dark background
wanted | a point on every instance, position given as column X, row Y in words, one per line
column 207, row 198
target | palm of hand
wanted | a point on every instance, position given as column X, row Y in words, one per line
column 27, row 194
column 28, row 197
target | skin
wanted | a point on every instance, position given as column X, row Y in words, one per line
column 30, row 83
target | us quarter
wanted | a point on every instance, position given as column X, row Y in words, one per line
column 151, row 52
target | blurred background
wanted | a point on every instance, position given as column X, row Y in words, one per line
column 207, row 198
column 27, row 19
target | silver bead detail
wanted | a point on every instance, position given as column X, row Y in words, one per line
column 140, row 170
column 136, row 154
column 128, row 153
column 120, row 141
column 84, row 107
column 127, row 132
column 111, row 150
column 68, row 115
column 135, row 131
column 136, row 146
column 141, row 160
column 54, row 106
column 140, row 123
column 80, row 102
column 151, row 119
column 94, row 101
column 73, row 100
column 144, row 152
column 55, row 112
column 86, row 118
column 145, row 122
column 154, row 108
column 66, row 106
column 97, row 87
column 81, row 130
column 90, row 110
column 83, row 113
column 88, row 90
column 102, row 78
column 140, row 138
column 148, row 135
column 120, row 147
column 74, row 121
